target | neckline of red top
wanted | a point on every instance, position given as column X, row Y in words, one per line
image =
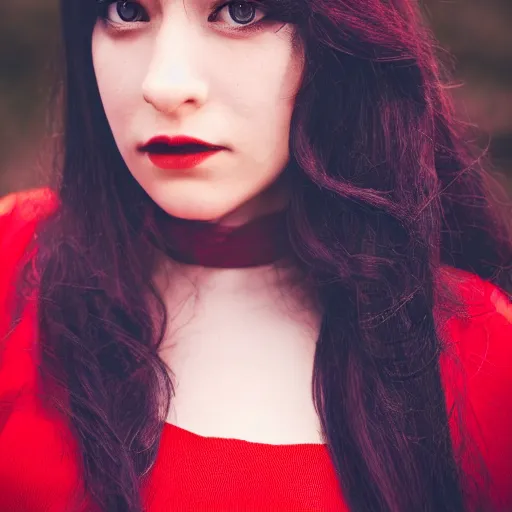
column 173, row 430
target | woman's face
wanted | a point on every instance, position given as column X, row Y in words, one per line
column 224, row 74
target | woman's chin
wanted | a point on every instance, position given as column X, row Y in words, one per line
column 199, row 213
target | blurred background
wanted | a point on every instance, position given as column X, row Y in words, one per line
column 476, row 32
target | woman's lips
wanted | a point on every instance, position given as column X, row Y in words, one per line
column 180, row 160
column 179, row 151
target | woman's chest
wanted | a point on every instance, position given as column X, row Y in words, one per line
column 242, row 366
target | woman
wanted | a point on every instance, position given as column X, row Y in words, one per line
column 269, row 276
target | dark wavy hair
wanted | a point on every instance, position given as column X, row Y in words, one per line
column 385, row 192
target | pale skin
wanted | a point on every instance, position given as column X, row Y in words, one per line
column 180, row 74
column 240, row 342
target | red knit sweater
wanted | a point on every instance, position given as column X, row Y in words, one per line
column 39, row 459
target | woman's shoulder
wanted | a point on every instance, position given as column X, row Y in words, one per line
column 21, row 209
column 479, row 325
column 477, row 374
column 482, row 305
column 20, row 213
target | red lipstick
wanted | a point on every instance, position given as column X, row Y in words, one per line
column 180, row 152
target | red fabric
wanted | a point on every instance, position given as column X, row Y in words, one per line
column 39, row 459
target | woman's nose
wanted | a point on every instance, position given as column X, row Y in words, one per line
column 173, row 79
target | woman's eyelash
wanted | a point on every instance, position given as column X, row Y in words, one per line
column 104, row 5
column 223, row 4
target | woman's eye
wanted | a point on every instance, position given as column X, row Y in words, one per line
column 241, row 13
column 235, row 14
column 119, row 12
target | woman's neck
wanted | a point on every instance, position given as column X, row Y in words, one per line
column 260, row 242
column 275, row 198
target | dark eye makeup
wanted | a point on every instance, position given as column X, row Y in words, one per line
column 242, row 12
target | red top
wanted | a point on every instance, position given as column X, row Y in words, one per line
column 40, row 469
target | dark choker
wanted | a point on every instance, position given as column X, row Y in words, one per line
column 259, row 242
